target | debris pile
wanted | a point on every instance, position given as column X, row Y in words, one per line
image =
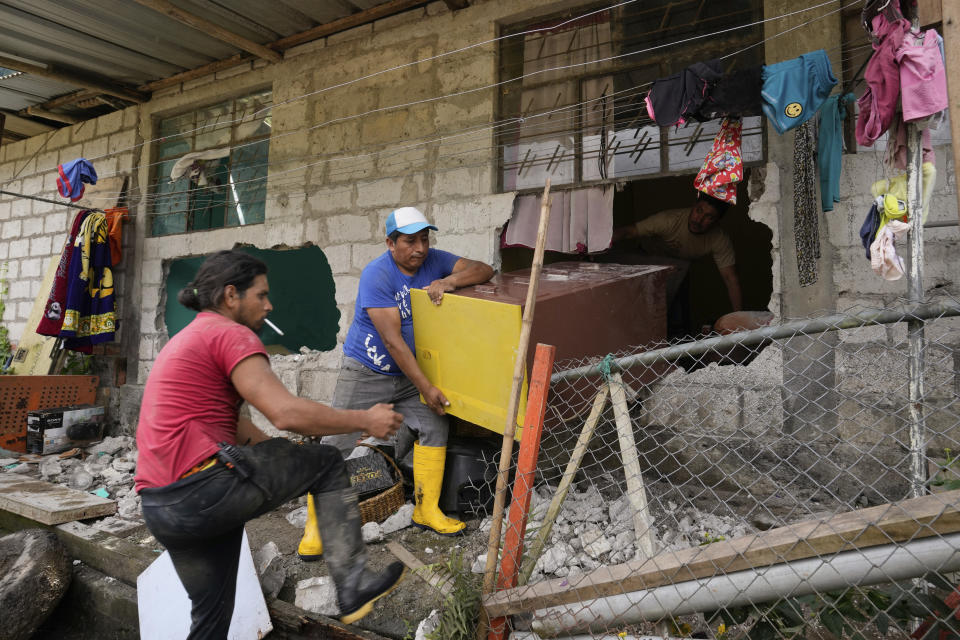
column 592, row 531
column 105, row 469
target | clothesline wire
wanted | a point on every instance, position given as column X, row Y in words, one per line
column 625, row 94
column 514, row 120
column 50, row 201
column 446, row 138
column 276, row 183
column 346, row 187
column 460, row 93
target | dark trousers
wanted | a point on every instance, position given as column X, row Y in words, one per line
column 200, row 518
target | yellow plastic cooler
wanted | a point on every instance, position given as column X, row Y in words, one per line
column 466, row 347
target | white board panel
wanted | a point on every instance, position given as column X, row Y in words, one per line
column 165, row 608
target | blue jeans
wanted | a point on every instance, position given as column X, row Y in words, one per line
column 200, row 518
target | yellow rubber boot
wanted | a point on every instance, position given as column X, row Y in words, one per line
column 311, row 546
column 428, row 465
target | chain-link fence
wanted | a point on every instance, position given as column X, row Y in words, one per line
column 792, row 481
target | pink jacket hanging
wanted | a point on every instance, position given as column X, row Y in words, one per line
column 923, row 78
column 879, row 102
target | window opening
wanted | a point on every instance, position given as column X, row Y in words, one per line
column 218, row 159
column 579, row 122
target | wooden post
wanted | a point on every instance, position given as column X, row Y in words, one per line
column 510, row 428
column 951, row 43
column 636, row 492
column 599, row 401
column 523, row 483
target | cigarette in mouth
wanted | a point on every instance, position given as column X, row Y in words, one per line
column 273, row 326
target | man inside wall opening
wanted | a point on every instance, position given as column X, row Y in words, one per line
column 204, row 470
column 379, row 364
column 689, row 234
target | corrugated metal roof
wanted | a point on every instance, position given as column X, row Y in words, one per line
column 128, row 44
column 22, row 90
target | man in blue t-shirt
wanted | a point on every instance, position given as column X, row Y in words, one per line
column 380, row 365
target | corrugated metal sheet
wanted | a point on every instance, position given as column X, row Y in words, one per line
column 130, row 44
column 23, row 90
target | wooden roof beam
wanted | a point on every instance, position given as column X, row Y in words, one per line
column 99, row 85
column 211, row 29
column 354, row 20
column 49, row 115
column 192, row 74
column 66, row 99
column 24, row 128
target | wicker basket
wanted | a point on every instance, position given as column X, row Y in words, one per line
column 387, row 502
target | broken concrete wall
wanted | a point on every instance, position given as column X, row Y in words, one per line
column 851, row 435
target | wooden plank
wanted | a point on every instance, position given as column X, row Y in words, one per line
column 951, row 45
column 289, row 617
column 50, row 115
column 412, row 562
column 66, row 99
column 193, row 74
column 212, row 29
column 33, row 350
column 50, row 503
column 17, row 125
column 636, row 491
column 524, row 480
column 898, row 522
column 573, row 465
column 355, row 20
column 526, row 466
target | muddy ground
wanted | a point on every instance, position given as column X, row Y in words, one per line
column 398, row 614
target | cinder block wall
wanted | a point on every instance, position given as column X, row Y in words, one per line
column 32, row 233
column 334, row 176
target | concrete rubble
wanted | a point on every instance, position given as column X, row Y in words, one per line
column 428, row 625
column 318, row 595
column 592, row 531
column 269, row 563
column 108, row 468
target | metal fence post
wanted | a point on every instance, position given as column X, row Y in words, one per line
column 915, row 325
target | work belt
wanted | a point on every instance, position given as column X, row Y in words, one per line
column 230, row 456
column 200, row 466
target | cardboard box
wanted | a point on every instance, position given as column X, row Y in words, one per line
column 61, row 428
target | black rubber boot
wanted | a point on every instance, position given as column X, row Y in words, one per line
column 346, row 556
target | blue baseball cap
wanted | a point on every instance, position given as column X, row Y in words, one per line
column 407, row 220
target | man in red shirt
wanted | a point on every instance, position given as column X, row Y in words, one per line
column 203, row 470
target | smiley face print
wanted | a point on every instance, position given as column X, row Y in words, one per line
column 793, row 110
